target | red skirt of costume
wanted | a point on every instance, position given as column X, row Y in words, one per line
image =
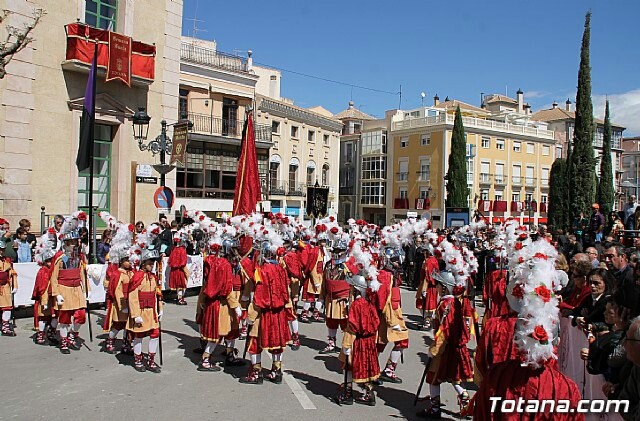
column 455, row 366
column 274, row 330
column 509, row 380
column 365, row 366
column 497, row 293
column 177, row 279
column 431, row 302
column 209, row 320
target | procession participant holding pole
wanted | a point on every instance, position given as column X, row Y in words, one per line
column 43, row 314
column 8, row 287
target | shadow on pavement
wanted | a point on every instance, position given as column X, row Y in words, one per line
column 331, row 362
column 187, row 344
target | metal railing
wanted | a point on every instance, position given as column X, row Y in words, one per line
column 207, row 124
column 468, row 122
column 208, row 57
column 516, row 179
column 403, row 176
column 500, row 179
column 424, row 175
column 530, row 181
column 285, row 188
column 485, row 178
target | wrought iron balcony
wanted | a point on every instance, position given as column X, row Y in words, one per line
column 212, row 58
column 207, row 124
column 403, row 176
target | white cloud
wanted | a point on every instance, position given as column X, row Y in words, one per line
column 535, row 94
column 624, row 108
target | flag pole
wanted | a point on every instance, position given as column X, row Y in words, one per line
column 91, row 153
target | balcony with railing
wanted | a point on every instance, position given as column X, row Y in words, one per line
column 516, row 180
column 402, row 176
column 424, row 176
column 472, row 122
column 485, row 178
column 286, row 188
column 208, row 57
column 207, row 124
column 530, row 181
column 499, row 180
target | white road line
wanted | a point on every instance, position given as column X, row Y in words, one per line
column 297, row 390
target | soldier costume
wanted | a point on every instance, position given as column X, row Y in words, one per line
column 313, row 260
column 116, row 284
column 8, row 287
column 427, row 294
column 68, row 283
column 178, row 273
column 219, row 309
column 267, row 313
column 359, row 353
column 392, row 326
column 336, row 294
column 43, row 314
column 145, row 311
column 290, row 260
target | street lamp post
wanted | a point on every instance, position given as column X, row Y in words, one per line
column 162, row 144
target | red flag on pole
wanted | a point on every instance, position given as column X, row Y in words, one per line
column 247, row 192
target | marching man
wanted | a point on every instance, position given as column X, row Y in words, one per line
column 117, row 283
column 392, row 326
column 8, row 287
column 179, row 273
column 336, row 291
column 219, row 309
column 43, row 314
column 68, row 283
column 290, row 260
column 427, row 294
column 145, row 311
column 267, row 313
column 313, row 259
column 359, row 354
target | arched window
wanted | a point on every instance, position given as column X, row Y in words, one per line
column 325, row 175
column 274, row 167
column 293, row 174
column 311, row 173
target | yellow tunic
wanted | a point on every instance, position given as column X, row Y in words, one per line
column 120, row 302
column 391, row 318
column 5, row 290
column 149, row 315
column 74, row 297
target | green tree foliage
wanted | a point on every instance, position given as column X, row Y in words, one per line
column 582, row 170
column 457, row 188
column 558, row 198
column 606, row 192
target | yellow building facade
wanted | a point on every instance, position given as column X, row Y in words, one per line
column 509, row 160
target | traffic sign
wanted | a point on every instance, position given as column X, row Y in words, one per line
column 163, row 198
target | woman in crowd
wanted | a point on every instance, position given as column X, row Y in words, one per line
column 84, row 240
column 104, row 246
column 602, row 285
column 577, row 290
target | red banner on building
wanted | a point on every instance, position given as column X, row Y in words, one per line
column 119, row 63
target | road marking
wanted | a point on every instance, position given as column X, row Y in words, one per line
column 297, row 390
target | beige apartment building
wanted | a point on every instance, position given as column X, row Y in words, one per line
column 509, row 158
column 305, row 151
column 42, row 99
column 216, row 91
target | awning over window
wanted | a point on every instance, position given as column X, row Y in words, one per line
column 295, row 162
column 311, row 165
column 275, row 159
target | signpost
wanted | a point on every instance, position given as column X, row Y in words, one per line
column 147, row 180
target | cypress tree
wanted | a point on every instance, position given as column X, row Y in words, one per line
column 558, row 194
column 457, row 188
column 606, row 193
column 582, row 170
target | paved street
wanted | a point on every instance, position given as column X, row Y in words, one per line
column 40, row 383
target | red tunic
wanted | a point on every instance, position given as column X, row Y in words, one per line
column 41, row 285
column 496, row 343
column 271, row 294
column 294, row 266
column 454, row 360
column 431, row 301
column 218, row 278
column 177, row 263
column 363, row 323
column 510, row 380
column 496, row 291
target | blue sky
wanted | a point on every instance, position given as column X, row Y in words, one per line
column 453, row 48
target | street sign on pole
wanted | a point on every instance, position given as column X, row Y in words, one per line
column 163, row 198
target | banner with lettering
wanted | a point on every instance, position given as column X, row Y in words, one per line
column 179, row 143
column 119, row 62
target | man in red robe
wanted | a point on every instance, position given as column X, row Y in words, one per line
column 179, row 273
column 43, row 314
column 427, row 294
column 290, row 260
column 359, row 353
column 267, row 314
column 313, row 260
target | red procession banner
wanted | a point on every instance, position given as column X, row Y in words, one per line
column 119, row 62
column 247, row 192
